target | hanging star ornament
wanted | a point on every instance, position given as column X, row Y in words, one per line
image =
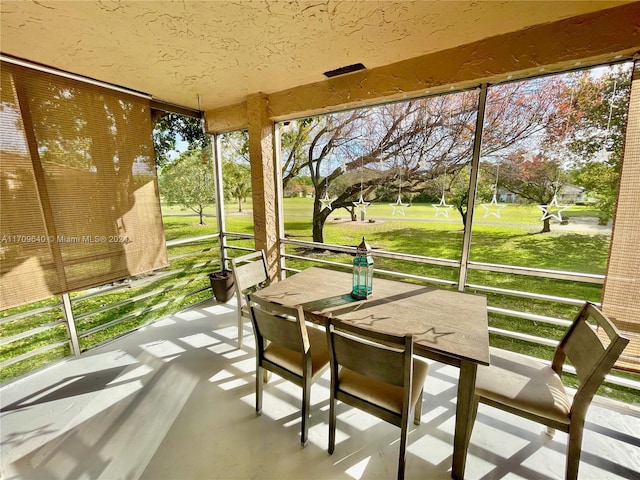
column 361, row 205
column 399, row 206
column 553, row 210
column 442, row 208
column 326, row 202
column 492, row 208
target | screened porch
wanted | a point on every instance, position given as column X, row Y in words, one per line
column 95, row 260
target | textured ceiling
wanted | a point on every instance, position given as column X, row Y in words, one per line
column 223, row 51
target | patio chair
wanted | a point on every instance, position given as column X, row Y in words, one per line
column 531, row 389
column 376, row 373
column 285, row 347
column 250, row 274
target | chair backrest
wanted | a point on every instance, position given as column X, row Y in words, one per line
column 279, row 324
column 381, row 356
column 249, row 272
column 592, row 344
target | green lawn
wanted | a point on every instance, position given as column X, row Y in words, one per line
column 512, row 239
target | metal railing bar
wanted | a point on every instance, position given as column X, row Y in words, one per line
column 417, row 277
column 318, row 260
column 131, row 300
column 189, row 254
column 245, row 236
column 376, row 270
column 122, row 303
column 52, row 325
column 534, row 296
column 153, row 278
column 376, row 253
column 31, row 332
column 140, row 312
column 182, row 241
column 29, row 313
column 523, row 336
column 125, row 286
column 34, row 352
column 538, row 272
column 242, row 249
column 294, row 270
column 379, row 271
column 530, row 316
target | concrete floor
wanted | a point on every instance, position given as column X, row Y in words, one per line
column 175, row 400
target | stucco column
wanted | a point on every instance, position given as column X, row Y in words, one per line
column 263, row 181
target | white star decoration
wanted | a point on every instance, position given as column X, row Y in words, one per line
column 343, row 167
column 399, row 206
column 547, row 209
column 326, row 202
column 361, row 205
column 442, row 208
column 492, row 208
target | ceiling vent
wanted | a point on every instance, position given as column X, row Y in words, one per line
column 344, row 70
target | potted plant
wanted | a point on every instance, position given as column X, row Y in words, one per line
column 222, row 284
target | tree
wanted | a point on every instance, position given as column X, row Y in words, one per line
column 536, row 178
column 418, row 146
column 597, row 109
column 168, row 128
column 188, row 181
column 236, row 180
column 585, row 138
column 236, row 169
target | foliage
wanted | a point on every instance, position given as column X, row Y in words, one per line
column 598, row 113
column 415, row 148
column 188, row 181
column 534, row 178
column 236, row 170
column 168, row 128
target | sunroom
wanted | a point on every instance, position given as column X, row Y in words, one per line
column 467, row 85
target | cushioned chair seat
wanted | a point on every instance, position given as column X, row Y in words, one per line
column 379, row 393
column 525, row 384
column 292, row 360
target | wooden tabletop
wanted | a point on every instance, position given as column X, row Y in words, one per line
column 447, row 325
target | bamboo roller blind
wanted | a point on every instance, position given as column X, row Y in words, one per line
column 621, row 296
column 79, row 197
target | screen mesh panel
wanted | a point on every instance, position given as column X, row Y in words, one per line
column 80, row 201
column 621, row 297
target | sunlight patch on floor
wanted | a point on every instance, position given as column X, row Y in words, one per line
column 199, row 340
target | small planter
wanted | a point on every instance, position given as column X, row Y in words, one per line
column 222, row 284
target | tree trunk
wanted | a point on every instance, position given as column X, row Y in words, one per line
column 318, row 225
column 546, row 226
column 319, row 218
column 240, row 204
column 201, row 214
column 463, row 214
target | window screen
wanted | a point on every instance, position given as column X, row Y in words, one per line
column 79, row 195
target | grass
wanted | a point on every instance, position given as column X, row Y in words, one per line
column 511, row 240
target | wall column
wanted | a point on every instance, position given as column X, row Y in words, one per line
column 263, row 181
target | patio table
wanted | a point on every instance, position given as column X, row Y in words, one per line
column 448, row 326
